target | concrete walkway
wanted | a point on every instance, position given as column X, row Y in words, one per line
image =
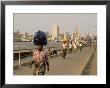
column 94, row 67
column 91, row 66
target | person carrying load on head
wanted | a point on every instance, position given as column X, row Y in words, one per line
column 40, row 58
column 64, row 47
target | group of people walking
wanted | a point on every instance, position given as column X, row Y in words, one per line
column 40, row 57
column 70, row 47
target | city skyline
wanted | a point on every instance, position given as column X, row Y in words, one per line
column 31, row 23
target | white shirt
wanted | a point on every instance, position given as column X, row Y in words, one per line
column 64, row 46
column 70, row 45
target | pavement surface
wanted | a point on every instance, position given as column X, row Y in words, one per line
column 73, row 64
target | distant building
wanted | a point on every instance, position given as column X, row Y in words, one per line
column 15, row 37
column 73, row 36
column 61, row 36
column 55, row 32
column 77, row 34
column 18, row 37
column 47, row 33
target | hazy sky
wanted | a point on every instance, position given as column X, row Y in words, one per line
column 67, row 22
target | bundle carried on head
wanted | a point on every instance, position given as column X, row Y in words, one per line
column 40, row 38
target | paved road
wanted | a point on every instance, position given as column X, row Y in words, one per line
column 94, row 65
column 73, row 64
column 91, row 66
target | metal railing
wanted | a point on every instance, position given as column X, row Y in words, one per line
column 18, row 60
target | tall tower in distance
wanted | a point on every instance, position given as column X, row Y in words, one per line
column 77, row 34
column 77, row 31
column 55, row 32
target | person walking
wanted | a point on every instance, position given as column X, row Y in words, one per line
column 80, row 47
column 70, row 47
column 74, row 46
column 64, row 49
column 40, row 57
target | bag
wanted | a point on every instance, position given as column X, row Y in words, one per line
column 40, row 38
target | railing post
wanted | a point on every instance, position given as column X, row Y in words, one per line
column 30, row 54
column 19, row 60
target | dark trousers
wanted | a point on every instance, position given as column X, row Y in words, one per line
column 70, row 50
column 64, row 52
column 38, row 70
